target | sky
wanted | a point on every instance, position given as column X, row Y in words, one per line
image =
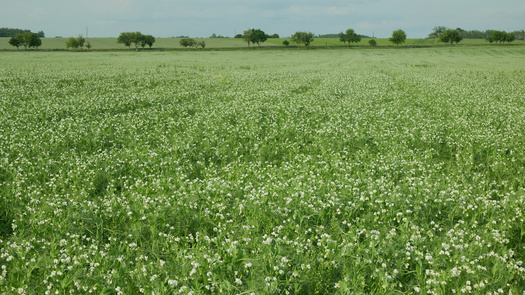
column 202, row 18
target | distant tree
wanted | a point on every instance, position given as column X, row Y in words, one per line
column 149, row 40
column 35, row 41
column 41, row 34
column 72, row 43
column 7, row 32
column 519, row 35
column 201, row 44
column 137, row 38
column 27, row 40
column 352, row 37
column 275, row 36
column 125, row 38
column 372, row 42
column 436, row 32
column 16, row 41
column 213, row 35
column 398, row 37
column 247, row 36
column 187, row 42
column 450, row 36
column 88, row 45
column 509, row 37
column 286, row 43
column 238, row 36
column 305, row 38
column 498, row 36
column 258, row 36
column 343, row 38
column 81, row 41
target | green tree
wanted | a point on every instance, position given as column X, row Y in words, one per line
column 498, row 36
column 436, row 32
column 372, row 42
column 247, row 36
column 35, row 41
column 509, row 37
column 398, row 37
column 137, row 39
column 88, row 45
column 305, row 38
column 16, row 40
column 352, row 36
column 450, row 36
column 286, row 43
column 29, row 40
column 81, row 41
column 149, row 40
column 343, row 38
column 125, row 38
column 72, row 43
column 187, row 42
column 258, row 36
column 201, row 44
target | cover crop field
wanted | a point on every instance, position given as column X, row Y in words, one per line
column 263, row 172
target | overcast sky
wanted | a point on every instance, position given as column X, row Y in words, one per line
column 201, row 18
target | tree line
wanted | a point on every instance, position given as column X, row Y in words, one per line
column 137, row 38
column 9, row 32
column 449, row 35
column 26, row 39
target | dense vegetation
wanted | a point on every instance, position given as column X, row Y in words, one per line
column 327, row 171
column 8, row 32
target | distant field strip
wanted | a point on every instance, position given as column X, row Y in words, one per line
column 173, row 43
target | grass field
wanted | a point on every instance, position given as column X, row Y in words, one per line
column 223, row 43
column 263, row 172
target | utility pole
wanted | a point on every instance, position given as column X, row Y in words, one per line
column 87, row 32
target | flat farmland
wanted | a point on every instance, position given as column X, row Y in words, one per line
column 263, row 172
column 101, row 44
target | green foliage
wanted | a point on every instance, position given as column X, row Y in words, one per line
column 501, row 37
column 8, row 32
column 247, row 36
column 437, row 31
column 72, row 43
column 398, row 37
column 258, row 36
column 148, row 40
column 352, row 36
column 187, row 42
column 81, row 41
column 372, row 42
column 125, row 38
column 137, row 38
column 16, row 41
column 201, row 44
column 450, row 36
column 305, row 38
column 26, row 39
column 286, row 43
column 255, row 36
